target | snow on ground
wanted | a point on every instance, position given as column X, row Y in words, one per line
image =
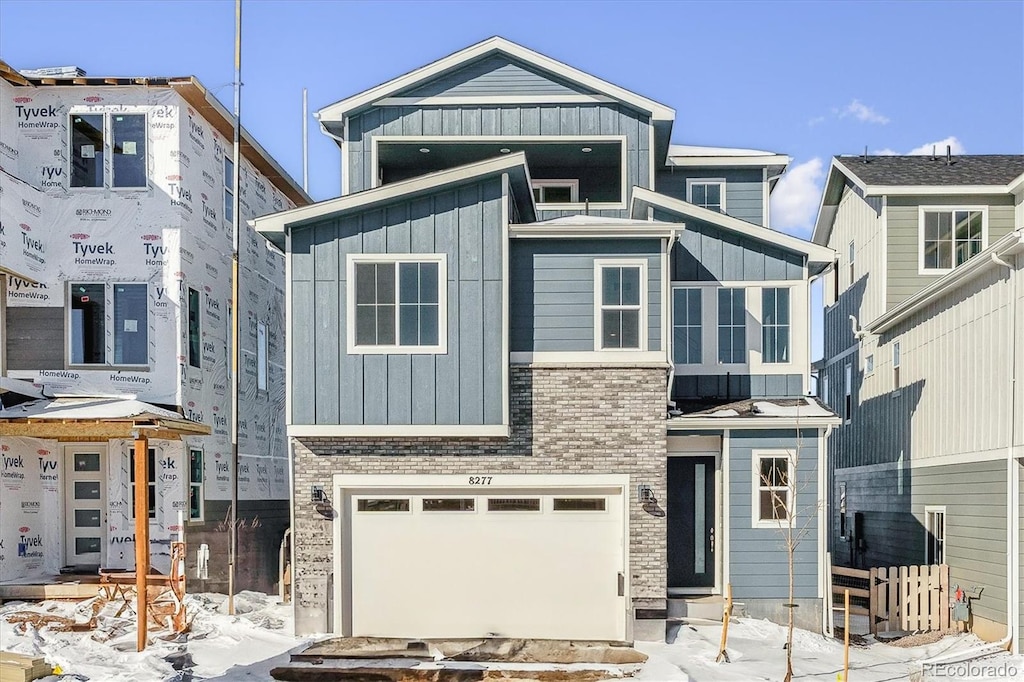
column 224, row 648
column 756, row 653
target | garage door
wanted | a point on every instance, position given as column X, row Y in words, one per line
column 514, row 562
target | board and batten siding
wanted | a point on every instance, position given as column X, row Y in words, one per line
column 503, row 121
column 461, row 387
column 757, row 556
column 552, row 291
column 744, row 188
column 706, row 253
column 904, row 241
column 497, row 75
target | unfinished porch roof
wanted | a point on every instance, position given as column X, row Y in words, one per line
column 759, row 413
column 81, row 418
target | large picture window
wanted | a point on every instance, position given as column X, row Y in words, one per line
column 732, row 326
column 620, row 301
column 686, row 327
column 775, row 325
column 91, row 341
column 950, row 237
column 398, row 304
column 127, row 136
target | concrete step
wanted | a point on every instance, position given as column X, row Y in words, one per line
column 708, row 607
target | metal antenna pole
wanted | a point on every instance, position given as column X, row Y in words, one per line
column 235, row 307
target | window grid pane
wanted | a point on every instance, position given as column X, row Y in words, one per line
column 732, row 326
column 686, row 323
column 620, row 307
column 707, row 195
column 951, row 238
column 397, row 304
column 775, row 325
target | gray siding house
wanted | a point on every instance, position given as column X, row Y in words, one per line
column 924, row 359
column 547, row 371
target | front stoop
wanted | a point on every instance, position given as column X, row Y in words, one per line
column 710, row 607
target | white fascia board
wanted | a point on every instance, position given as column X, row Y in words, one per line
column 688, row 423
column 1016, row 185
column 542, row 231
column 815, row 252
column 338, row 110
column 1010, row 244
column 279, row 222
column 397, row 430
column 730, row 161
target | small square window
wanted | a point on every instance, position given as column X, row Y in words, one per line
column 774, row 488
column 556, row 191
column 709, row 194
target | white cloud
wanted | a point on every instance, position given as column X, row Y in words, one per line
column 816, row 120
column 795, row 200
column 939, row 147
column 862, row 112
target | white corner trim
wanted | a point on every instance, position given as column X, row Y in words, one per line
column 398, row 430
column 644, row 312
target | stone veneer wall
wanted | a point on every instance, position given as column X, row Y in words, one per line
column 565, row 420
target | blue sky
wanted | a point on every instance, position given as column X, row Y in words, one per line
column 802, row 78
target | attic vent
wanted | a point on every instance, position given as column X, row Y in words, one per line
column 54, row 72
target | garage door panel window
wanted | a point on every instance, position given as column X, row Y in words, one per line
column 580, row 504
column 513, row 504
column 383, row 505
column 449, row 504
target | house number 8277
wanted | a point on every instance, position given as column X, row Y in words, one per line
column 479, row 480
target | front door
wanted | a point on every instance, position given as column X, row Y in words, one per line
column 691, row 523
column 84, row 505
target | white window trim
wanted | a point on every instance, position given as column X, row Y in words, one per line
column 928, row 511
column 108, row 332
column 747, row 340
column 755, row 488
column 897, row 364
column 848, row 393
column 573, row 185
column 921, row 210
column 690, row 182
column 442, row 303
column 869, row 364
column 789, row 325
column 108, row 150
column 201, row 485
column 851, row 255
column 599, row 264
column 672, row 324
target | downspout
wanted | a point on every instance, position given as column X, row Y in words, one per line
column 667, row 312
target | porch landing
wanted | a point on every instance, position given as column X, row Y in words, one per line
column 53, row 587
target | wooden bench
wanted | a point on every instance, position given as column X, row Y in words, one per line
column 165, row 594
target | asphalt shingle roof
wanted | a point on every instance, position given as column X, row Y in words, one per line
column 987, row 169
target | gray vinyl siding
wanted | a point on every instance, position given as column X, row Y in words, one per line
column 35, row 338
column 552, row 296
column 737, row 386
column 495, row 75
column 706, row 253
column 461, row 387
column 508, row 120
column 757, row 556
column 903, row 243
column 744, row 188
column 894, row 522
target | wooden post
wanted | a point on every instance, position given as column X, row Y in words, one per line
column 846, row 636
column 141, row 532
column 726, row 616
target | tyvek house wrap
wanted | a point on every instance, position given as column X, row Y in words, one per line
column 174, row 235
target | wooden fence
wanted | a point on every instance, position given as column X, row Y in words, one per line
column 908, row 598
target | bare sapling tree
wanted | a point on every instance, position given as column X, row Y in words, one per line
column 782, row 489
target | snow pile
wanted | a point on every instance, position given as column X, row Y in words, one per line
column 218, row 646
column 809, row 408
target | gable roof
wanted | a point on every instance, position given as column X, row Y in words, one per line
column 483, row 49
column 816, row 254
column 273, row 227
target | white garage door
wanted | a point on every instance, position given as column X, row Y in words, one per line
column 515, row 562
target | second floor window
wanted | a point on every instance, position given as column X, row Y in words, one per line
column 732, row 326
column 126, row 134
column 195, row 349
column 620, row 318
column 950, row 237
column 686, row 326
column 91, row 342
column 709, row 194
column 556, row 191
column 775, row 325
column 229, row 189
column 397, row 304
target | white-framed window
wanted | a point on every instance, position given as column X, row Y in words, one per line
column 732, row 326
column 824, row 386
column 842, row 510
column 775, row 325
column 126, row 341
column 556, row 191
column 196, row 480
column 935, row 534
column 229, row 189
column 261, row 356
column 869, row 364
column 774, row 488
column 896, row 365
column 852, row 259
column 397, row 303
column 92, row 134
column 620, row 300
column 949, row 237
column 848, row 393
column 687, row 326
column 707, row 193
column 151, row 483
column 195, row 337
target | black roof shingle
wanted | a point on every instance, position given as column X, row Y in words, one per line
column 965, row 169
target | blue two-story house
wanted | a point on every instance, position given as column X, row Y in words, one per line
column 546, row 370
